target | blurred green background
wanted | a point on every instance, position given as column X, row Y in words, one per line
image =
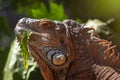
column 11, row 66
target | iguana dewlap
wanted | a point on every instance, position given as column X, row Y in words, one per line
column 67, row 51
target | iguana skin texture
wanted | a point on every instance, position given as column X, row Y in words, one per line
column 105, row 73
column 68, row 51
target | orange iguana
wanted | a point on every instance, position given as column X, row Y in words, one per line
column 68, row 51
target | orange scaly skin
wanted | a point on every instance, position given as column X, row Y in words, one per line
column 67, row 51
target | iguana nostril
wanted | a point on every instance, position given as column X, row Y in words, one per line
column 22, row 20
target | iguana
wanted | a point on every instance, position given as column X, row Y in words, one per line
column 68, row 51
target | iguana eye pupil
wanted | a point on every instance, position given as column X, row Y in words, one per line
column 45, row 24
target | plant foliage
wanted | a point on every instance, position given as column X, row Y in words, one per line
column 56, row 12
column 24, row 48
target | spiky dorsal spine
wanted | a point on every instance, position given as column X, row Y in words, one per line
column 91, row 50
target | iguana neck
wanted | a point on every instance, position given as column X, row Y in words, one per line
column 81, row 40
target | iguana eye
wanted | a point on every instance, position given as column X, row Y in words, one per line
column 47, row 24
column 56, row 56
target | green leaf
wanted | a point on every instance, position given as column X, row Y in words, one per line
column 56, row 12
column 24, row 48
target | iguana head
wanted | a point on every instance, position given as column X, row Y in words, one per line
column 49, row 44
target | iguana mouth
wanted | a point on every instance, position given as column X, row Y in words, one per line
column 23, row 25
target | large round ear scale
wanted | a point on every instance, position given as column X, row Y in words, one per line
column 59, row 58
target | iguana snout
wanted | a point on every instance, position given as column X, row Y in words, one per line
column 24, row 24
